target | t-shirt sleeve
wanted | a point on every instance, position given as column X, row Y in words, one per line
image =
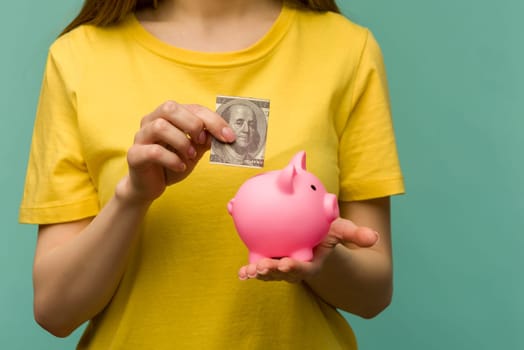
column 369, row 164
column 58, row 187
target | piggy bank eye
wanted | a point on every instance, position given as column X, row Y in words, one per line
column 313, row 187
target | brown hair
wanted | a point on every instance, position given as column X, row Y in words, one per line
column 107, row 12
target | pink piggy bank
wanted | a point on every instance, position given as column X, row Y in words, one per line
column 283, row 213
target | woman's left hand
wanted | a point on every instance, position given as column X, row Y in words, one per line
column 341, row 231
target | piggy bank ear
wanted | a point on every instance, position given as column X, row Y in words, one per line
column 285, row 178
column 299, row 160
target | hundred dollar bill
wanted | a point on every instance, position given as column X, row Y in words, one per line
column 248, row 117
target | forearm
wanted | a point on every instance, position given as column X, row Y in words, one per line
column 356, row 280
column 75, row 280
column 359, row 280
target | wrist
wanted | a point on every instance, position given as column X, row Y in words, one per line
column 124, row 195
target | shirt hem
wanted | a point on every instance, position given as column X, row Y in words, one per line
column 59, row 213
column 373, row 189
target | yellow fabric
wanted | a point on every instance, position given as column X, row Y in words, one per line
column 325, row 80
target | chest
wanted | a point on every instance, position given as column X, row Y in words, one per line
column 115, row 98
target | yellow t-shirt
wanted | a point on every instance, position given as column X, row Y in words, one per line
column 326, row 84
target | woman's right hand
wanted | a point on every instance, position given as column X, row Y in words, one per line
column 169, row 144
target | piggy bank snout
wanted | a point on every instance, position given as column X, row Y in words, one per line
column 331, row 206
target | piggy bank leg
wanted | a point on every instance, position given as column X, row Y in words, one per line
column 305, row 254
column 254, row 257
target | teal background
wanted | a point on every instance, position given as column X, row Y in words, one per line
column 456, row 78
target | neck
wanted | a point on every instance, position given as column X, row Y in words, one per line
column 214, row 10
column 211, row 25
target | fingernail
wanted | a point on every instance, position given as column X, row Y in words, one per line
column 262, row 271
column 191, row 152
column 228, row 134
column 202, row 137
column 284, row 268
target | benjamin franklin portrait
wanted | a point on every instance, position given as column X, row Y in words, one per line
column 249, row 123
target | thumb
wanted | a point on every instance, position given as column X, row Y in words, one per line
column 347, row 232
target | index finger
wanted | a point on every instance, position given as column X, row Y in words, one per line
column 213, row 122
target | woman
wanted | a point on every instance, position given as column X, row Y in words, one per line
column 133, row 231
